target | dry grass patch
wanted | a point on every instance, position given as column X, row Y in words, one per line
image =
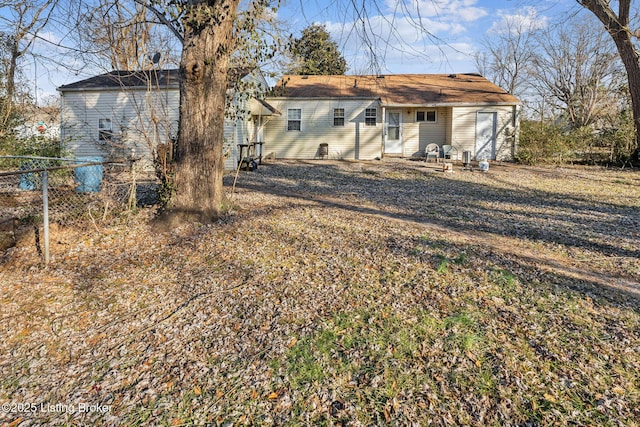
column 342, row 294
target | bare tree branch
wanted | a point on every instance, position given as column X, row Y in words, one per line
column 163, row 19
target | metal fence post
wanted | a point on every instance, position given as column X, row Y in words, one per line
column 45, row 213
column 74, row 196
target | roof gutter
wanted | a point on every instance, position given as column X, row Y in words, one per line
column 113, row 89
column 450, row 104
column 324, row 98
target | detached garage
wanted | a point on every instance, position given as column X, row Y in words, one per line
column 128, row 114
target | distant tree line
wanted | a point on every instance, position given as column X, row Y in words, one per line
column 576, row 100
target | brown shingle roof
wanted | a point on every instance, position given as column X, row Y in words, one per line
column 398, row 89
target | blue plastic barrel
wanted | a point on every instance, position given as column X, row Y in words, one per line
column 28, row 181
column 88, row 178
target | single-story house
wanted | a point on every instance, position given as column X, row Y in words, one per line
column 368, row 117
column 127, row 114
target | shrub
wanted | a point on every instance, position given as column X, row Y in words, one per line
column 32, row 146
column 541, row 142
column 553, row 143
column 619, row 139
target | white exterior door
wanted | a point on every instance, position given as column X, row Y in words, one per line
column 393, row 137
column 486, row 136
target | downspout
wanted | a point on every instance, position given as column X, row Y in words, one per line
column 516, row 133
column 384, row 130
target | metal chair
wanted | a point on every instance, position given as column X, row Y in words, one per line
column 449, row 152
column 432, row 150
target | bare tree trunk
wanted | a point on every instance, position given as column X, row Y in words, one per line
column 199, row 152
column 11, row 71
column 28, row 23
column 617, row 26
column 631, row 61
column 10, row 83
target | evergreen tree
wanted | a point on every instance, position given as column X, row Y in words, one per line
column 314, row 53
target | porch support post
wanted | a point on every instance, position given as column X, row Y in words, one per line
column 45, row 213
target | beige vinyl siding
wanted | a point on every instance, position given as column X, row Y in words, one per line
column 410, row 133
column 354, row 140
column 139, row 120
column 463, row 129
column 417, row 135
column 506, row 143
column 448, row 124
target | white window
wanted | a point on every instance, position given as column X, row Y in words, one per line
column 338, row 116
column 428, row 116
column 370, row 116
column 105, row 130
column 294, row 119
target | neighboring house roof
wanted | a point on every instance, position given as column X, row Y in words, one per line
column 165, row 79
column 127, row 79
column 398, row 89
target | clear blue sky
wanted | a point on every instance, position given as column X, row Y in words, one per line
column 456, row 27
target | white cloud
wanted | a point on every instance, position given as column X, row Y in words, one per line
column 472, row 14
column 442, row 10
column 525, row 19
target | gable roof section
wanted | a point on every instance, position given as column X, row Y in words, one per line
column 399, row 89
column 115, row 80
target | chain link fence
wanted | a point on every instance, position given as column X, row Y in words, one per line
column 78, row 192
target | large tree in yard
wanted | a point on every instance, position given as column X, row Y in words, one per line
column 617, row 25
column 206, row 29
column 204, row 65
column 221, row 40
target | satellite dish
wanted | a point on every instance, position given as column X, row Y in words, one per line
column 156, row 57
